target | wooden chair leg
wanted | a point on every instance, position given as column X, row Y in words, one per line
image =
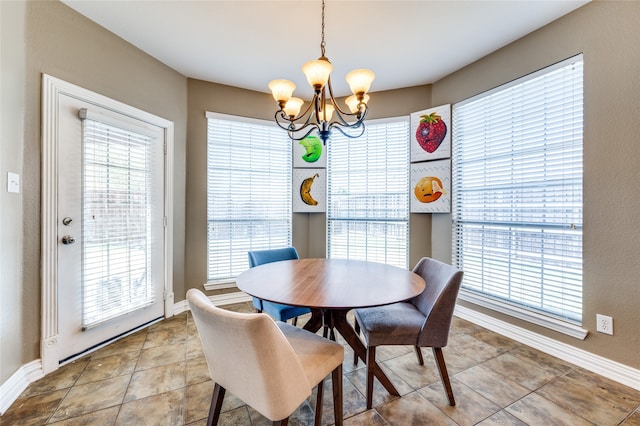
column 419, row 354
column 371, row 360
column 318, row 414
column 336, row 380
column 325, row 324
column 283, row 422
column 216, row 405
column 442, row 368
column 356, row 327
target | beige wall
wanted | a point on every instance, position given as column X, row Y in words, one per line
column 12, row 87
column 608, row 35
column 48, row 37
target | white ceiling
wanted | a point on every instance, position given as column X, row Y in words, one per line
column 248, row 43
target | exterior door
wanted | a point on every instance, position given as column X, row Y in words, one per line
column 110, row 225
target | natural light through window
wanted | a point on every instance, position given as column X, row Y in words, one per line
column 517, row 191
column 248, row 192
column 368, row 200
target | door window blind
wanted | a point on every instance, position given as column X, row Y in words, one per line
column 368, row 199
column 118, row 171
column 517, row 191
column 248, row 192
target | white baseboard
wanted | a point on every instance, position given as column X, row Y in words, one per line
column 605, row 367
column 230, row 298
column 180, row 307
column 18, row 382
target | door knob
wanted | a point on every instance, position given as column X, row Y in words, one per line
column 68, row 239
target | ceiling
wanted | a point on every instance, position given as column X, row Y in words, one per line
column 248, row 43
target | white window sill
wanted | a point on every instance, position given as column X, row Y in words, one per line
column 219, row 285
column 551, row 323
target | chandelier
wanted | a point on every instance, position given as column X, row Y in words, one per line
column 323, row 112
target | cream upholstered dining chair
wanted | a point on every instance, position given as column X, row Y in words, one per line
column 423, row 321
column 271, row 366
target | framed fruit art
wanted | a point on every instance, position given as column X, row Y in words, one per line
column 309, row 152
column 309, row 190
column 431, row 187
column 431, row 134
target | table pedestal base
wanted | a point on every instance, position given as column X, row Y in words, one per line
column 337, row 318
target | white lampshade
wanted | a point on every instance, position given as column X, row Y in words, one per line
column 360, row 80
column 292, row 107
column 327, row 113
column 281, row 89
column 352, row 102
column 317, row 72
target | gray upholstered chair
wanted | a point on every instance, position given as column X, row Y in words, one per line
column 271, row 366
column 423, row 321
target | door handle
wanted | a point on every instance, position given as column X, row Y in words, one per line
column 68, row 239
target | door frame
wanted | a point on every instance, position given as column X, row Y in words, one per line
column 52, row 88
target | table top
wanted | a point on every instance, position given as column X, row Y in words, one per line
column 330, row 283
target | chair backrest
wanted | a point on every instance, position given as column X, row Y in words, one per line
column 437, row 301
column 248, row 355
column 259, row 257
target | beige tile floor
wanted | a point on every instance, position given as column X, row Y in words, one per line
column 158, row 376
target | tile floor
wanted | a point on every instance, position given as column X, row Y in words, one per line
column 158, row 376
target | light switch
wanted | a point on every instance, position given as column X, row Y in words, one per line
column 13, row 182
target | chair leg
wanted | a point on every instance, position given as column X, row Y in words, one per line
column 318, row 414
column 419, row 354
column 336, row 380
column 371, row 360
column 442, row 368
column 283, row 422
column 216, row 405
column 356, row 327
column 295, row 321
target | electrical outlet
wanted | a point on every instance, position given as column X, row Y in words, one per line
column 604, row 324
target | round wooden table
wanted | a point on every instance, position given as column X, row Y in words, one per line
column 332, row 287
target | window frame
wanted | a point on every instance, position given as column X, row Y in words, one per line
column 546, row 319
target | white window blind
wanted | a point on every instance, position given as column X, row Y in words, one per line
column 368, row 198
column 248, row 192
column 118, row 171
column 517, row 191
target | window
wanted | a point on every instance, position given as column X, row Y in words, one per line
column 248, row 192
column 121, row 183
column 368, row 199
column 517, row 192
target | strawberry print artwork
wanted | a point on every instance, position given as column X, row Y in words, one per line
column 431, row 132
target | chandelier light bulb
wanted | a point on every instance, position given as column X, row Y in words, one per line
column 282, row 90
column 327, row 113
column 317, row 73
column 360, row 81
column 353, row 102
column 292, row 107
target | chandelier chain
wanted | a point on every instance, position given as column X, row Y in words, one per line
column 322, row 44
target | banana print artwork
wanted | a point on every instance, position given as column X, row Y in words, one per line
column 305, row 190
